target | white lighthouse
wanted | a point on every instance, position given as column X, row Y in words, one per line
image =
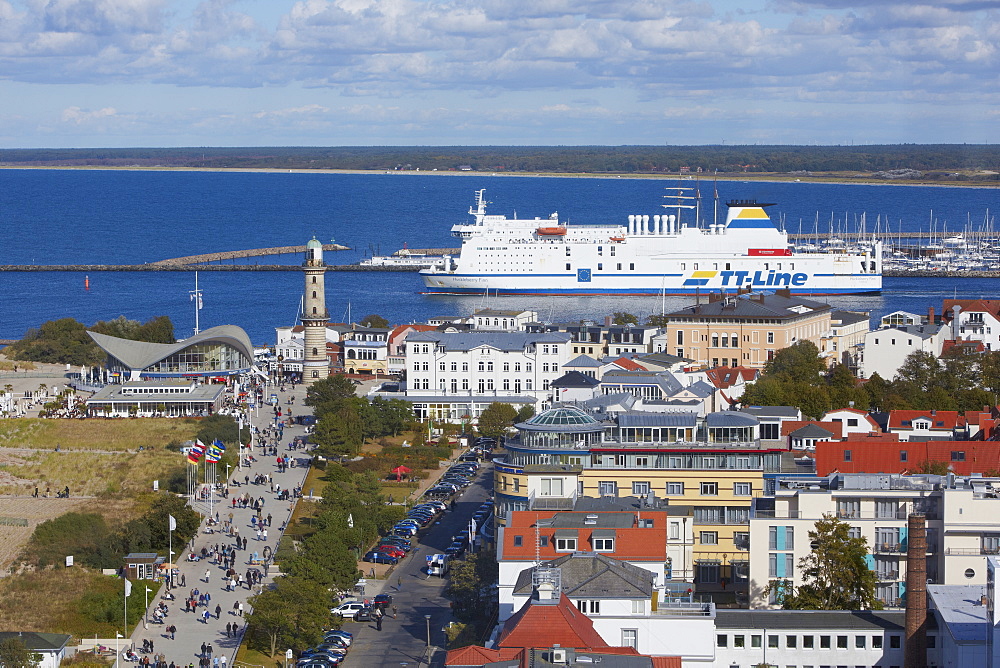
column 314, row 315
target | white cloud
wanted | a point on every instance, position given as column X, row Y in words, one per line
column 78, row 116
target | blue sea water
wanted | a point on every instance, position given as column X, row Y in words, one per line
column 132, row 217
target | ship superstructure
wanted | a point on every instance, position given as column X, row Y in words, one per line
column 647, row 255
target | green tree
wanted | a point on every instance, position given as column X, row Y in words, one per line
column 293, row 613
column 932, row 467
column 658, row 320
column 622, row 318
column 14, row 654
column 221, row 427
column 835, row 573
column 329, row 389
column 524, row 413
column 799, row 361
column 496, row 419
column 373, row 320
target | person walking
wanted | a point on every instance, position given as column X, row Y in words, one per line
column 229, row 629
column 218, row 611
column 205, row 616
column 241, row 608
column 378, row 619
column 208, row 574
column 204, row 649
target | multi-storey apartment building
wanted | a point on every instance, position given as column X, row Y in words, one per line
column 960, row 515
column 454, row 376
column 714, row 465
column 746, row 329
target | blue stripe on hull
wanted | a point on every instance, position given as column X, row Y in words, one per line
column 589, row 292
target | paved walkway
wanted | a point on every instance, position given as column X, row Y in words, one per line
column 192, row 629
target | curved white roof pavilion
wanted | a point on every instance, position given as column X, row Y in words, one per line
column 219, row 351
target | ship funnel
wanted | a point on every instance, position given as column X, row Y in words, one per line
column 657, row 230
column 631, row 225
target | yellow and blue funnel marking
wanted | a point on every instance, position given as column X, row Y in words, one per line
column 699, row 278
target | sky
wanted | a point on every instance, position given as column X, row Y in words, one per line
column 130, row 73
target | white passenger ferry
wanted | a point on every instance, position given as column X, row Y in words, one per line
column 647, row 255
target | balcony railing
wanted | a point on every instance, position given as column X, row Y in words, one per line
column 971, row 551
column 888, row 576
column 674, row 608
column 890, row 548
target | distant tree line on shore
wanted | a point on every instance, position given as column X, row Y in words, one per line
column 933, row 161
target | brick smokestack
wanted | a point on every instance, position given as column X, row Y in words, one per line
column 916, row 592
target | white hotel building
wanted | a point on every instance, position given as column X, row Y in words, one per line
column 455, row 375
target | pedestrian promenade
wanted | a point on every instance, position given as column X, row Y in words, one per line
column 193, row 630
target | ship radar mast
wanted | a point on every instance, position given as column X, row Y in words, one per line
column 680, row 196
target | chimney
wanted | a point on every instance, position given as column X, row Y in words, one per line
column 916, row 592
column 930, row 315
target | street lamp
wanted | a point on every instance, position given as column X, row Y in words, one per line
column 428, row 619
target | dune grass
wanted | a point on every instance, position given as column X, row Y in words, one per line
column 91, row 474
column 95, row 433
column 49, row 601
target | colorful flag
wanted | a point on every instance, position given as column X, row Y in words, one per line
column 194, row 456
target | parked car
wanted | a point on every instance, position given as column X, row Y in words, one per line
column 364, row 614
column 319, row 662
column 394, row 546
column 376, row 557
column 398, row 541
column 382, row 601
column 391, row 550
column 347, row 609
column 347, row 638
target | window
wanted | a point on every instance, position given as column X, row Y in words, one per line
column 589, row 607
column 876, row 642
column 675, row 488
column 630, row 637
column 824, row 642
column 755, row 641
column 518, row 541
column 565, row 544
column 791, row 641
column 808, row 642
column 638, row 607
column 742, row 489
column 707, row 573
column 709, row 537
column 847, row 455
column 607, row 488
column 709, row 489
column 604, row 544
column 894, row 642
column 739, row 641
column 902, row 455
column 675, row 530
column 859, row 642
column 841, row 642
column 640, row 488
column 772, row 641
column 721, row 640
column 958, row 455
column 770, row 337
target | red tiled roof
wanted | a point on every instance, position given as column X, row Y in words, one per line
column 629, row 365
column 984, row 305
column 969, row 346
column 631, row 544
column 835, row 428
column 724, row 377
column 948, row 420
column 542, row 625
column 667, row 662
column 869, row 457
column 472, row 655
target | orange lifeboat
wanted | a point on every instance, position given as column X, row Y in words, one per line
column 617, row 240
column 551, row 231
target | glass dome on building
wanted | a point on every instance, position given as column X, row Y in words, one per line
column 561, row 427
